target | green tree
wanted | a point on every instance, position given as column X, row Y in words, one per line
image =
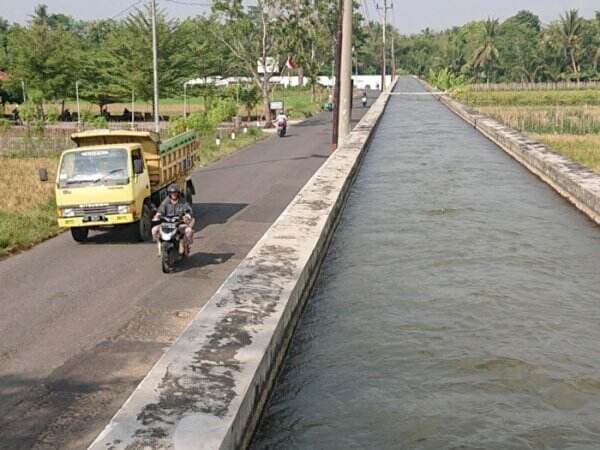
column 570, row 27
column 255, row 37
column 46, row 59
column 128, row 57
column 486, row 55
column 519, row 42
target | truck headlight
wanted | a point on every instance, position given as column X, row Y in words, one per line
column 68, row 212
column 123, row 209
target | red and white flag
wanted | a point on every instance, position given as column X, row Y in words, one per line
column 290, row 64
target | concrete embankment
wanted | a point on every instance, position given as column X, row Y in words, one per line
column 576, row 183
column 208, row 389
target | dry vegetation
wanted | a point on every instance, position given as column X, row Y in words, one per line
column 20, row 188
column 548, row 119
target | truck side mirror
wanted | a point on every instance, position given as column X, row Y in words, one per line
column 43, row 174
column 138, row 166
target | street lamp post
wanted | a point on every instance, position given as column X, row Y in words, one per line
column 185, row 100
column 78, row 106
column 155, row 66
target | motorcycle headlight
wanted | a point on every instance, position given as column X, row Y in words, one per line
column 123, row 209
column 68, row 212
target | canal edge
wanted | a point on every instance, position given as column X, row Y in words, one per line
column 207, row 391
column 577, row 184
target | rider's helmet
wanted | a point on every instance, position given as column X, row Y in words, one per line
column 173, row 189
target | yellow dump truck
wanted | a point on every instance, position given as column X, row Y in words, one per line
column 118, row 178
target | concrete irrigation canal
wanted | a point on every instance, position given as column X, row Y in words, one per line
column 458, row 305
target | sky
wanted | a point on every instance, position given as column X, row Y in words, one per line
column 407, row 16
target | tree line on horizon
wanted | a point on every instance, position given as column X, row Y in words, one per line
column 112, row 58
column 519, row 49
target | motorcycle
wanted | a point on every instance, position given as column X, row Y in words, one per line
column 281, row 128
column 364, row 101
column 170, row 243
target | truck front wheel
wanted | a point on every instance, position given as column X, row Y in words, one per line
column 143, row 227
column 80, row 234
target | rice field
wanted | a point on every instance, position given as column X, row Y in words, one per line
column 589, row 97
column 583, row 149
column 579, row 120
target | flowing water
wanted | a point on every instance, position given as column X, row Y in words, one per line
column 458, row 306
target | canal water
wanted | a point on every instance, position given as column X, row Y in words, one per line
column 458, row 306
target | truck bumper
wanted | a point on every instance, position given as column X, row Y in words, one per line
column 108, row 220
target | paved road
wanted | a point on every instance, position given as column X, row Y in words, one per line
column 80, row 325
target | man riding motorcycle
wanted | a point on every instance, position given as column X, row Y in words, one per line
column 175, row 205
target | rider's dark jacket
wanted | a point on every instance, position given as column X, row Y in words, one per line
column 169, row 209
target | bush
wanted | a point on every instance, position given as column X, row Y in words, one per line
column 199, row 123
column 99, row 122
column 223, row 109
column 4, row 125
column 51, row 115
column 177, row 125
column 445, row 79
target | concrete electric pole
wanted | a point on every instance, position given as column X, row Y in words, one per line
column 385, row 8
column 155, row 65
column 336, row 76
column 344, row 126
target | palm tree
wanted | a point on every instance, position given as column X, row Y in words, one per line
column 486, row 54
column 570, row 27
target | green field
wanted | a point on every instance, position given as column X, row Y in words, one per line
column 590, row 97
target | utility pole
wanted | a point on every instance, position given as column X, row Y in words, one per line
column 155, row 65
column 336, row 86
column 346, row 72
column 385, row 10
column 393, row 58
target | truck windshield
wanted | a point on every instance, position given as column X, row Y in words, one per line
column 93, row 167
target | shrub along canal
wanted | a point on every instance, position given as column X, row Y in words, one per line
column 458, row 306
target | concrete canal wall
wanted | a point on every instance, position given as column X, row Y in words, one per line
column 209, row 388
column 576, row 183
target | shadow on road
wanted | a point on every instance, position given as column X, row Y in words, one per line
column 215, row 213
column 199, row 260
column 265, row 161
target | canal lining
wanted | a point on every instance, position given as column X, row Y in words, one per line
column 208, row 390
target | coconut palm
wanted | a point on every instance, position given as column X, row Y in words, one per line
column 487, row 53
column 570, row 27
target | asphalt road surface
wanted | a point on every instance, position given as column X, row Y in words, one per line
column 80, row 325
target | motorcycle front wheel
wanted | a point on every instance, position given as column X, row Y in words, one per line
column 167, row 253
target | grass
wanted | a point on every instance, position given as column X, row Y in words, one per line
column 583, row 149
column 210, row 152
column 589, row 97
column 22, row 230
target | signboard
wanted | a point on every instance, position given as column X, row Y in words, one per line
column 276, row 105
column 270, row 63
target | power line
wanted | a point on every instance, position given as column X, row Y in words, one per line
column 189, row 3
column 133, row 5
